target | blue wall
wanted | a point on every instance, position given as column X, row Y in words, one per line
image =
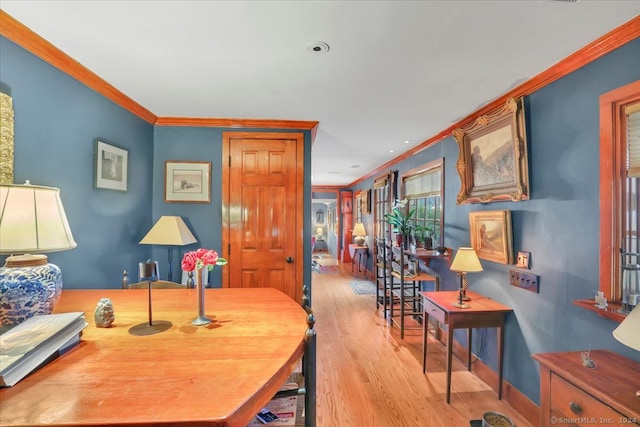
column 56, row 121
column 559, row 225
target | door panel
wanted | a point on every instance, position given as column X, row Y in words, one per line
column 263, row 219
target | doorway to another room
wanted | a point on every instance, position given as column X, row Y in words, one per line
column 325, row 223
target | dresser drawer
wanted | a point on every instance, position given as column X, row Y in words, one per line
column 434, row 311
column 577, row 407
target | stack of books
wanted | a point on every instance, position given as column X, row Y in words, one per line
column 36, row 341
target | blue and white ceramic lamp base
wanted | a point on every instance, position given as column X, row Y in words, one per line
column 27, row 291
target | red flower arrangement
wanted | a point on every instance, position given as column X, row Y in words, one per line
column 195, row 260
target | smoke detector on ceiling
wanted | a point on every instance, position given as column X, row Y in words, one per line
column 318, row 48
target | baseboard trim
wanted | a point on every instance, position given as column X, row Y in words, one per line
column 521, row 403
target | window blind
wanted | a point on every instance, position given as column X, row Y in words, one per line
column 422, row 184
column 633, row 140
column 380, row 183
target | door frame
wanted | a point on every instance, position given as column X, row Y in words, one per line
column 299, row 218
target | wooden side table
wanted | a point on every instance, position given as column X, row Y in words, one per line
column 483, row 313
column 358, row 251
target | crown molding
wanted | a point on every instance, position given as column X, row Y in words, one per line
column 239, row 123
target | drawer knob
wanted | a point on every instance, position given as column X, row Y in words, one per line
column 575, row 408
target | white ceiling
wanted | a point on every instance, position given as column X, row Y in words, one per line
column 395, row 71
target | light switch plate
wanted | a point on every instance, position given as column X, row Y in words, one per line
column 524, row 259
column 524, row 280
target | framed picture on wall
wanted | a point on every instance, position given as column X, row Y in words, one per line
column 187, row 182
column 492, row 161
column 491, row 235
column 111, row 165
column 365, row 202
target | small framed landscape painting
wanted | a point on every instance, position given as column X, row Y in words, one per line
column 111, row 165
column 491, row 235
column 187, row 182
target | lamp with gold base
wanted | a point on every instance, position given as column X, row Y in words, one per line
column 360, row 234
column 32, row 222
column 466, row 260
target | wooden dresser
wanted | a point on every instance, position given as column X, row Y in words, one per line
column 574, row 395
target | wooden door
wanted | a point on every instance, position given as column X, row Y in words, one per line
column 263, row 211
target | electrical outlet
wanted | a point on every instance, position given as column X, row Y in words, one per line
column 524, row 280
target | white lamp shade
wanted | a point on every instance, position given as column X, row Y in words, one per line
column 628, row 332
column 319, row 231
column 466, row 260
column 32, row 220
column 169, row 230
column 359, row 230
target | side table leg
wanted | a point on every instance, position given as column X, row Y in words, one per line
column 469, row 332
column 425, row 323
column 500, row 356
column 449, row 352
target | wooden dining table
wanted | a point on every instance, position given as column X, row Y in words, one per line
column 220, row 374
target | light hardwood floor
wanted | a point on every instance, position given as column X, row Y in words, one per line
column 368, row 377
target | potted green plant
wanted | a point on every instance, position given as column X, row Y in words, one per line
column 423, row 235
column 401, row 219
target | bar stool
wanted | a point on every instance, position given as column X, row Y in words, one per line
column 383, row 275
column 409, row 284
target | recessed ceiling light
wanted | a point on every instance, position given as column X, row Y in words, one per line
column 318, row 48
column 391, row 151
column 406, row 141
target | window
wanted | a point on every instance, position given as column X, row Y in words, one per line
column 358, row 206
column 381, row 206
column 422, row 187
column 619, row 176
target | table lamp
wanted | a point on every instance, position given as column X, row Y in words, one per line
column 170, row 231
column 628, row 332
column 466, row 260
column 32, row 221
column 359, row 233
column 319, row 232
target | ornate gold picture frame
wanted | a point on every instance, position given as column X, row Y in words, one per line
column 6, row 139
column 492, row 161
column 365, row 202
column 491, row 235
